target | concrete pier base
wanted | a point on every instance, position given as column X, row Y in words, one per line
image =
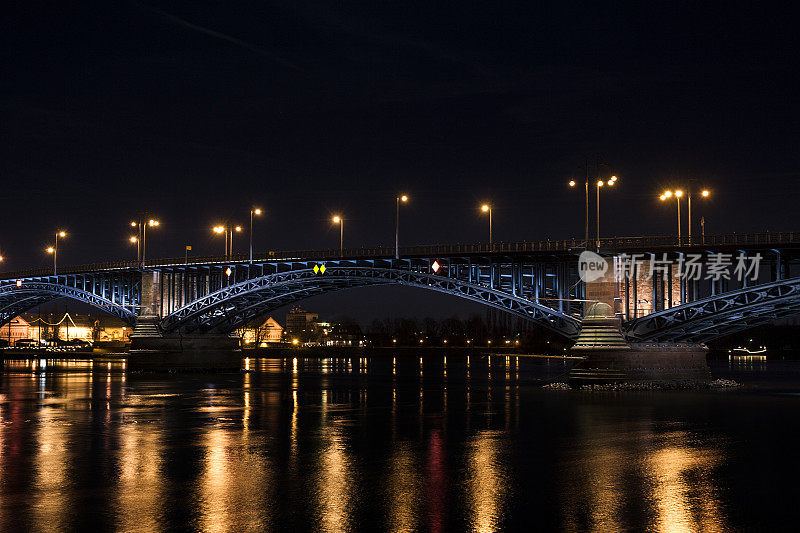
column 610, row 358
column 183, row 343
column 187, row 361
column 642, row 362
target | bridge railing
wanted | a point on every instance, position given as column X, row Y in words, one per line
column 433, row 250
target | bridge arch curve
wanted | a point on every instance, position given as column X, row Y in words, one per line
column 235, row 305
column 16, row 299
column 720, row 315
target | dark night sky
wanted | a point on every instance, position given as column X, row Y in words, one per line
column 196, row 110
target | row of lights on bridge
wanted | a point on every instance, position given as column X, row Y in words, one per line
column 229, row 230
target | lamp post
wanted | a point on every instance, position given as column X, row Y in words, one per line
column 228, row 231
column 402, row 198
column 135, row 240
column 486, row 208
column 678, row 194
column 142, row 238
column 253, row 211
column 573, row 183
column 600, row 183
column 54, row 250
column 237, row 229
column 339, row 220
column 705, row 193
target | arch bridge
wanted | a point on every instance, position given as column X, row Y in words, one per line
column 537, row 282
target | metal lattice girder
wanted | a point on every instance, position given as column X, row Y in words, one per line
column 237, row 304
column 18, row 299
column 720, row 315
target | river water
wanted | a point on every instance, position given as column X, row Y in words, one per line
column 398, row 444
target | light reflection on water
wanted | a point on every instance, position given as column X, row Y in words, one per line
column 398, row 444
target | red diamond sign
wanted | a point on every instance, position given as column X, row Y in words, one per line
column 436, row 266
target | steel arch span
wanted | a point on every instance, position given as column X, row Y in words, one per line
column 16, row 299
column 233, row 306
column 710, row 318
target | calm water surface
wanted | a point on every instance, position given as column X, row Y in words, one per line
column 392, row 444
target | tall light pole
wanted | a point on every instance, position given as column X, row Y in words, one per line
column 54, row 250
column 611, row 181
column 486, row 208
column 402, row 198
column 339, row 220
column 142, row 238
column 237, row 229
column 219, row 230
column 253, row 211
column 135, row 240
column 678, row 194
column 573, row 183
column 228, row 231
column 705, row 193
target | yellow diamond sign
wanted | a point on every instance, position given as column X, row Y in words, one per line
column 322, row 269
column 316, row 269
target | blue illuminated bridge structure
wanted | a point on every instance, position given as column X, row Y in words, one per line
column 537, row 282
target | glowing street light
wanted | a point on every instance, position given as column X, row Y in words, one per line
column 600, row 183
column 142, row 238
column 54, row 250
column 228, row 231
column 400, row 198
column 253, row 211
column 587, row 168
column 678, row 194
column 486, row 208
column 339, row 220
column 705, row 193
column 135, row 240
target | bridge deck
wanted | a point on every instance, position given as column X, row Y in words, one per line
column 567, row 247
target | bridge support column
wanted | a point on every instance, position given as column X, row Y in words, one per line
column 609, row 358
column 606, row 289
column 151, row 289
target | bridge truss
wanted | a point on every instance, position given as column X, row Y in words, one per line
column 719, row 315
column 234, row 306
column 18, row 297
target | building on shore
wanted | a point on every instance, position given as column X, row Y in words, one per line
column 301, row 326
column 262, row 334
column 65, row 327
column 17, row 328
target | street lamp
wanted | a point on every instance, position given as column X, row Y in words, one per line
column 705, row 193
column 402, row 198
column 339, row 220
column 486, row 208
column 572, row 183
column 228, row 231
column 678, row 194
column 135, row 240
column 219, row 230
column 253, row 211
column 142, row 225
column 600, row 183
column 54, row 250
